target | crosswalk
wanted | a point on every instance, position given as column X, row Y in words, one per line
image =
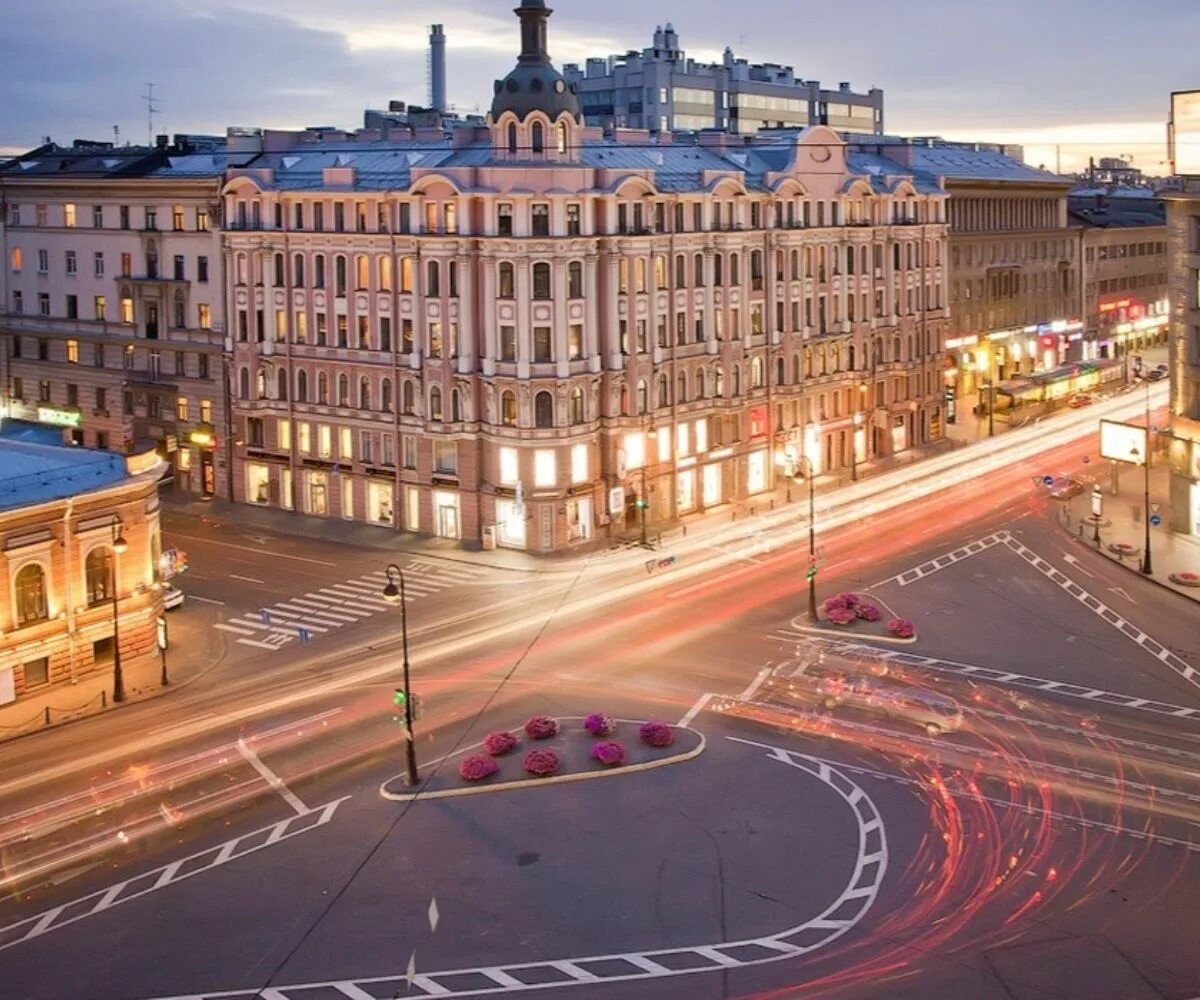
column 326, row 609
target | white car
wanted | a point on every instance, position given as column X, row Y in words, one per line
column 172, row 597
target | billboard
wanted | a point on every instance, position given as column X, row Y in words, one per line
column 1183, row 133
column 1122, row 442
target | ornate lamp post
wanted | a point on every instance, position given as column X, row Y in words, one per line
column 394, row 594
column 119, row 547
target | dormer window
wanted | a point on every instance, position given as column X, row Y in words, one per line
column 562, row 137
column 512, row 139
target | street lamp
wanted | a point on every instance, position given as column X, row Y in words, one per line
column 809, row 474
column 394, row 594
column 644, row 496
column 119, row 547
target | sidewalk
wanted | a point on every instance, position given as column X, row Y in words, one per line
column 1123, row 529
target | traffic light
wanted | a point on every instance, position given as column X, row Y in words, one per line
column 639, row 502
column 812, row 570
column 400, row 698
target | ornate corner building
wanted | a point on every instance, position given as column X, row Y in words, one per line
column 533, row 333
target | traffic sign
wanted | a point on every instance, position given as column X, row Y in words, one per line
column 1155, row 508
column 1047, row 480
column 1155, row 519
column 265, row 616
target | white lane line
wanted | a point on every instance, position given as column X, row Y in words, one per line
column 695, row 710
column 755, row 684
column 244, row 550
column 245, row 579
column 43, row 923
column 271, row 778
column 225, row 627
column 374, row 588
column 272, row 646
column 304, row 615
column 341, row 590
column 1076, row 565
column 205, row 600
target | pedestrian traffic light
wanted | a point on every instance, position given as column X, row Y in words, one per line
column 812, row 570
column 640, row 503
column 400, row 699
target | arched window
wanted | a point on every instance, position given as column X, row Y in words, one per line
column 364, row 393
column 298, row 270
column 849, row 260
column 301, row 386
column 343, row 390
column 682, row 391
column 796, row 369
column 701, row 384
column 279, row 269
column 281, row 385
column 850, row 357
column 508, row 284
column 512, row 138
column 538, row 137
column 808, row 362
column 643, row 396
column 98, row 570
column 780, row 371
column 640, row 274
column 895, row 348
column 362, row 272
column 795, row 265
column 260, row 384
column 30, row 592
column 577, row 413
column 240, row 268
column 543, row 410
column 319, row 270
column 664, row 390
column 322, row 389
column 433, row 282
column 735, row 274
column 385, row 396
column 385, row 273
column 244, row 383
column 561, row 130
column 837, row 358
column 339, row 276
column 756, row 373
column 455, row 406
column 408, row 397
column 435, row 403
column 508, row 408
column 541, row 281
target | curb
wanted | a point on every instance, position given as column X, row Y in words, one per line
column 557, row 779
column 1172, row 588
column 834, row 630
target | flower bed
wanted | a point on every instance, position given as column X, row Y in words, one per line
column 1185, row 579
column 656, row 734
column 610, row 753
column 860, row 612
column 901, row 628
column 541, row 727
column 477, row 767
column 541, row 762
column 1123, row 549
column 499, row 743
column 599, row 724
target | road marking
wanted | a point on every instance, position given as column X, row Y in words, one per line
column 842, row 915
column 695, row 710
column 1121, row 592
column 237, row 630
column 205, row 600
column 1098, row 607
column 975, row 672
column 271, row 778
column 1073, row 562
column 242, row 549
column 160, row 878
column 245, row 579
column 910, row 576
column 754, row 685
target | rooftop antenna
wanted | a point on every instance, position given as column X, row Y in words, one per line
column 116, row 136
column 151, row 110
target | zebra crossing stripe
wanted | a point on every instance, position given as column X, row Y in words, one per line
column 312, row 608
column 226, row 627
column 910, row 576
column 341, row 603
column 304, row 614
column 342, row 590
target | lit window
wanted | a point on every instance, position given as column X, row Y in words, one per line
column 17, row 259
column 284, row 432
column 304, row 437
column 69, row 215
column 635, row 451
column 701, row 434
column 664, row 443
column 579, row 463
column 681, row 440
column 324, row 441
column 545, row 468
column 346, row 446
column 509, row 466
column 73, row 352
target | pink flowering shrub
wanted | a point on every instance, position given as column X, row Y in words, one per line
column 500, row 743
column 656, row 734
column 840, row 615
column 477, row 767
column 610, row 753
column 541, row 762
column 541, row 727
column 901, row 628
column 867, row 612
column 599, row 725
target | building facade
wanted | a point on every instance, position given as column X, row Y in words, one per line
column 80, row 546
column 523, row 331
column 112, row 323
column 661, row 90
column 1125, row 291
column 1183, row 240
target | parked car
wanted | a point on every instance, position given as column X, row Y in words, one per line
column 1157, row 375
column 1065, row 489
column 1079, row 400
column 933, row 712
column 172, row 597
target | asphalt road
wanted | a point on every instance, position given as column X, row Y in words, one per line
column 1045, row 850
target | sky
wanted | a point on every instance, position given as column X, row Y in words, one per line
column 1066, row 79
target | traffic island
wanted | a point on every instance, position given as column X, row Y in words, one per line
column 860, row 614
column 551, row 750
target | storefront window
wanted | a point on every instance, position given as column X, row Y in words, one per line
column 579, row 463
column 545, row 468
column 899, row 435
column 756, row 472
column 510, row 470
column 510, row 524
column 579, row 519
column 347, row 498
column 635, row 451
column 258, row 484
column 380, row 503
column 712, row 484
column 316, row 495
column 685, row 494
column 446, row 514
column 412, row 508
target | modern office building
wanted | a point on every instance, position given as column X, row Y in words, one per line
column 661, row 90
column 80, row 548
column 516, row 333
column 1183, row 240
column 112, row 315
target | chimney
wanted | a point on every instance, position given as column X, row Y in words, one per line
column 437, row 68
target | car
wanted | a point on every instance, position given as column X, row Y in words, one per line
column 1065, row 489
column 172, row 597
column 1079, row 400
column 933, row 712
column 1157, row 375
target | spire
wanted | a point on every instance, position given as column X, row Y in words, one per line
column 533, row 15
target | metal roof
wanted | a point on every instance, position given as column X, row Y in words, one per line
column 36, row 471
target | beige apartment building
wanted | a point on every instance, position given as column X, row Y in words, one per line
column 112, row 323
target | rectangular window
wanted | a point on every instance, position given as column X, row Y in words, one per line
column 445, row 458
column 178, row 271
column 18, row 303
column 542, row 344
column 409, row 452
column 579, row 463
column 541, row 220
column 283, row 434
column 202, row 220
column 69, row 215
column 177, row 218
column 545, row 468
column 43, row 303
column 509, row 466
column 324, row 441
column 43, row 262
column 72, row 307
column 304, row 437
column 151, row 218
column 202, row 269
column 73, row 352
column 181, row 409
column 504, row 220
column 508, row 343
column 205, row 315
column 346, row 443
column 575, row 341
column 412, row 508
column 574, row 214
column 72, row 263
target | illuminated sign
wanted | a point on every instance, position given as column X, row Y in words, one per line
column 1122, row 442
column 1183, row 133
column 59, row 418
column 1110, row 306
column 203, row 436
